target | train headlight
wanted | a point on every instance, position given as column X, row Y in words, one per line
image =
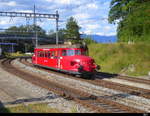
column 72, row 63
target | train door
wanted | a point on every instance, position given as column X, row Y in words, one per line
column 45, row 58
column 53, row 59
column 36, row 57
column 59, row 59
column 62, row 63
column 41, row 57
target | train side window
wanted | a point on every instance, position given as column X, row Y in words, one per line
column 53, row 53
column 64, row 53
column 46, row 54
column 38, row 54
column 49, row 54
column 42, row 54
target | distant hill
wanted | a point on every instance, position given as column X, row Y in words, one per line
column 101, row 39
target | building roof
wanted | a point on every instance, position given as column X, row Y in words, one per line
column 8, row 44
column 61, row 46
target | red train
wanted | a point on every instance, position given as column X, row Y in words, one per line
column 71, row 59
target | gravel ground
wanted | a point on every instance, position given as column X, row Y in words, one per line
column 127, row 99
column 15, row 90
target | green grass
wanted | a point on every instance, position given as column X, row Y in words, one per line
column 16, row 54
column 114, row 58
column 36, row 108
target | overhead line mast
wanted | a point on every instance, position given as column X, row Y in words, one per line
column 34, row 16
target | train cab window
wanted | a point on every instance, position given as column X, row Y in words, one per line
column 77, row 52
column 85, row 53
column 70, row 53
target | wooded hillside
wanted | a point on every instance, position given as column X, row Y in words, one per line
column 133, row 18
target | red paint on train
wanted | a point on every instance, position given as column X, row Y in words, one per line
column 73, row 60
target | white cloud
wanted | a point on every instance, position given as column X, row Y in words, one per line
column 81, row 16
column 107, row 28
column 88, row 14
column 92, row 26
column 92, row 6
column 65, row 2
column 3, row 22
column 26, row 11
column 11, row 3
column 6, row 22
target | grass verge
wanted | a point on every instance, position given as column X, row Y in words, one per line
column 31, row 108
column 130, row 59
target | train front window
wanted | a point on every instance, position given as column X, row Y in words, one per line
column 70, row 52
column 85, row 53
column 73, row 52
column 77, row 52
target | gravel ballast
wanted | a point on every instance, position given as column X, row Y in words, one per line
column 14, row 90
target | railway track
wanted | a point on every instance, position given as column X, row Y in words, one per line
column 104, row 83
column 88, row 100
column 118, row 76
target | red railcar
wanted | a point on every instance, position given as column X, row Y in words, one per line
column 71, row 59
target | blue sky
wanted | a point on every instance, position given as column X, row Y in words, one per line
column 91, row 15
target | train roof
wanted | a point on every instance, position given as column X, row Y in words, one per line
column 62, row 46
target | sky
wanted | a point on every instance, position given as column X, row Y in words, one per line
column 91, row 15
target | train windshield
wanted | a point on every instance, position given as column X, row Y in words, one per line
column 72, row 52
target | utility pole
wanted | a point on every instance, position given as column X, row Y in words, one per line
column 57, row 19
column 35, row 30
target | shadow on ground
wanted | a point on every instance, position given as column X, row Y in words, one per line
column 102, row 75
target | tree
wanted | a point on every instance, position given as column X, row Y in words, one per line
column 133, row 17
column 61, row 32
column 72, row 29
column 26, row 30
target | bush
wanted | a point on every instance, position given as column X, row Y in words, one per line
column 16, row 54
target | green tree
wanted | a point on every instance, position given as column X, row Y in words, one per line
column 72, row 30
column 61, row 35
column 133, row 19
column 26, row 30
